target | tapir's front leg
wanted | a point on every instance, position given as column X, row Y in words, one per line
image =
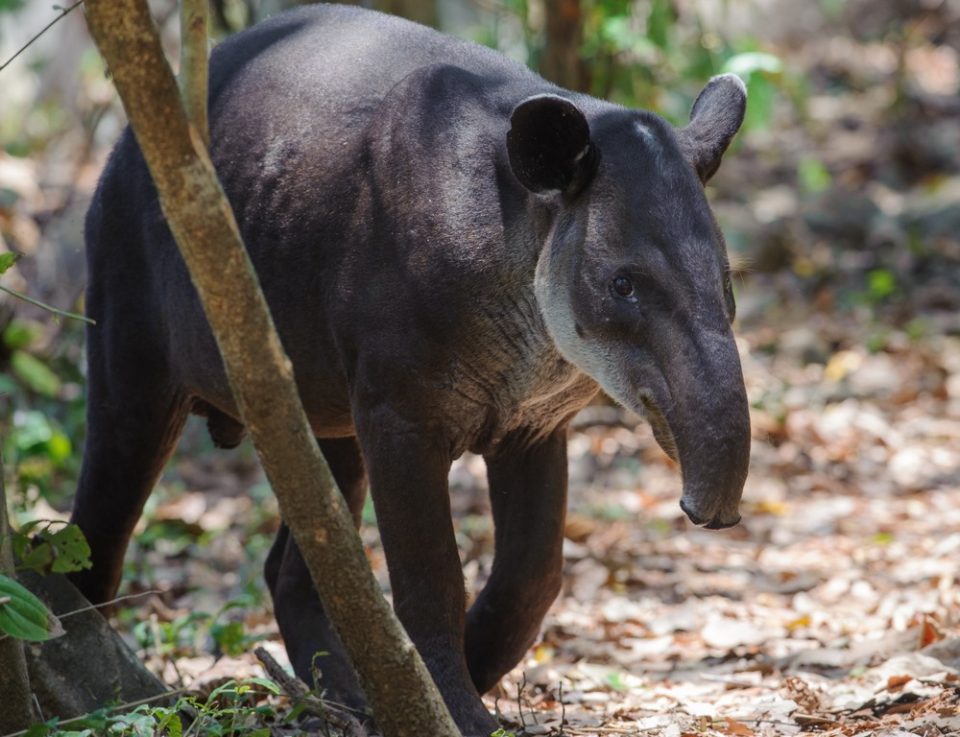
column 408, row 481
column 528, row 491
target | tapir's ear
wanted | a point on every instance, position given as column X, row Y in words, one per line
column 714, row 120
column 549, row 145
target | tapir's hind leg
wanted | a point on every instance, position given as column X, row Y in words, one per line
column 135, row 415
column 528, row 488
column 301, row 617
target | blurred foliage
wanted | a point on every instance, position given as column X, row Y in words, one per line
column 41, row 412
column 199, row 631
column 7, row 6
column 647, row 54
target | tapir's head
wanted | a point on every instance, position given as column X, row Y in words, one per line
column 634, row 283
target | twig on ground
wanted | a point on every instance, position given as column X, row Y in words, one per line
column 337, row 715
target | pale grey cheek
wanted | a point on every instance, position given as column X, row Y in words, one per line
column 600, row 362
column 605, row 364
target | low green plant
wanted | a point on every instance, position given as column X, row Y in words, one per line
column 58, row 547
column 233, row 709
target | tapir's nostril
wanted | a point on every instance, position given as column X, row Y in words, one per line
column 714, row 524
column 690, row 513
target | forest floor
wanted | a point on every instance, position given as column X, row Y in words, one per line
column 832, row 609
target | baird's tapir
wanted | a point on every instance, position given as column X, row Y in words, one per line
column 458, row 256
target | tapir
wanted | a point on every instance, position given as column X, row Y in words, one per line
column 458, row 256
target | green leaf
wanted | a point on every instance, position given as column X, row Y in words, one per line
column 20, row 334
column 229, row 637
column 761, row 95
column 23, row 615
column 881, row 283
column 140, row 725
column 7, row 260
column 750, row 62
column 170, row 724
column 35, row 374
column 659, row 22
column 44, row 728
column 72, row 552
column 813, row 175
column 619, row 35
column 35, row 558
column 264, row 683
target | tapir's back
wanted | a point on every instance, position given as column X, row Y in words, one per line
column 292, row 97
column 290, row 101
column 320, row 71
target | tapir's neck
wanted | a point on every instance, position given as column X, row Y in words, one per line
column 511, row 358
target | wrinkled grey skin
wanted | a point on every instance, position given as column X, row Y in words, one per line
column 457, row 255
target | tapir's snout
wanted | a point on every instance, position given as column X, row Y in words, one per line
column 700, row 417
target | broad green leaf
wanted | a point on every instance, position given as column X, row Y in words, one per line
column 750, row 62
column 72, row 552
column 23, row 615
column 36, row 557
column 45, row 728
column 35, row 374
column 7, row 259
column 761, row 95
column 21, row 333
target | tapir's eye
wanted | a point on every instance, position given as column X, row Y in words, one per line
column 622, row 287
column 728, row 297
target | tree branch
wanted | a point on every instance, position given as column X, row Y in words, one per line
column 404, row 699
column 43, row 30
column 194, row 21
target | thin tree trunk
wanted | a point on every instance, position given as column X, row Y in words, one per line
column 561, row 61
column 17, row 710
column 404, row 699
column 421, row 11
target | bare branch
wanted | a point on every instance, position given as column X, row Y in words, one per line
column 51, row 24
column 45, row 306
column 194, row 22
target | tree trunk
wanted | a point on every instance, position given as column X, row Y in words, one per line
column 17, row 712
column 561, row 61
column 421, row 11
column 404, row 699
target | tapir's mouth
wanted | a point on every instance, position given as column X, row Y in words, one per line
column 713, row 524
column 661, row 429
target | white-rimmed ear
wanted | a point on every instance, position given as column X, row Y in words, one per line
column 715, row 118
column 549, row 145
